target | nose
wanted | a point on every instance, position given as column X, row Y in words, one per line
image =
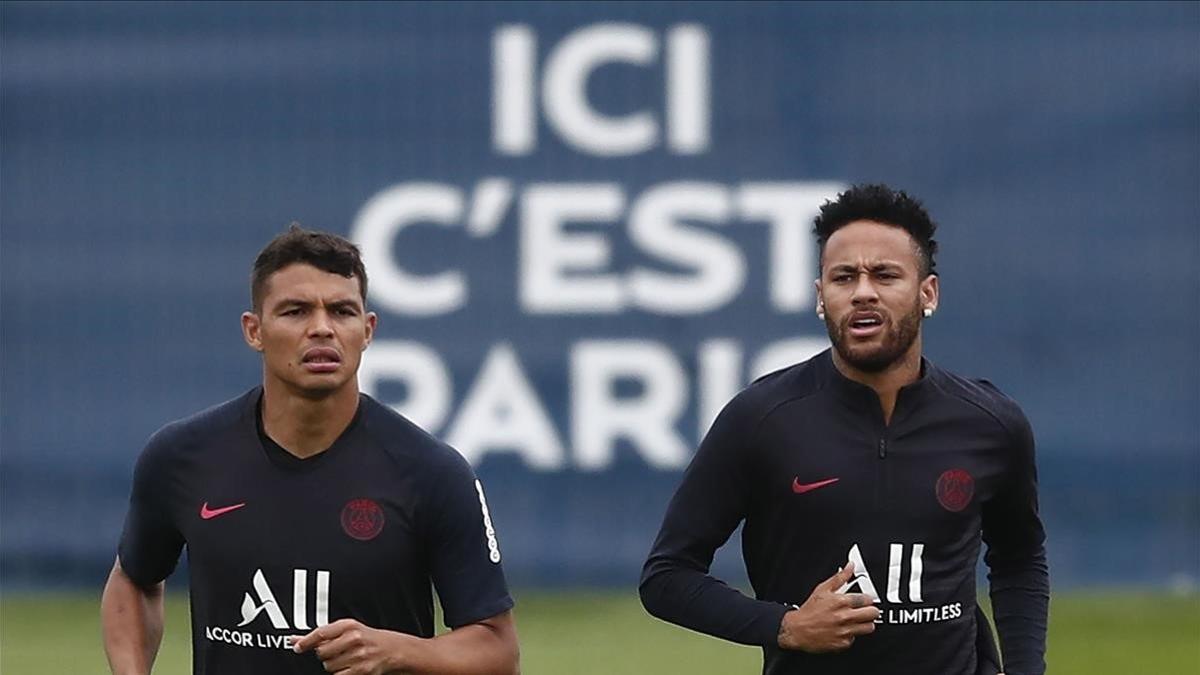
column 864, row 291
column 320, row 326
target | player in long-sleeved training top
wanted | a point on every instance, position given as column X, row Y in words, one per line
column 866, row 478
column 317, row 521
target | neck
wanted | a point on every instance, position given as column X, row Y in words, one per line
column 307, row 425
column 887, row 382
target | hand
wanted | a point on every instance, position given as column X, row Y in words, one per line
column 829, row 621
column 347, row 647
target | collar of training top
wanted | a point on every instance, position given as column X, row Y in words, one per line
column 858, row 394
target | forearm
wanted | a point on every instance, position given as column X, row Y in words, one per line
column 1020, row 606
column 696, row 600
column 132, row 623
column 487, row 648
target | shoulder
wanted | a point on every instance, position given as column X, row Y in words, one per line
column 984, row 397
column 206, row 423
column 743, row 415
column 442, row 481
column 769, row 392
column 402, row 440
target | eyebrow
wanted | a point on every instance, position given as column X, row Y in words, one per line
column 877, row 267
column 334, row 304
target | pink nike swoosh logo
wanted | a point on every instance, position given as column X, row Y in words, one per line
column 800, row 488
column 207, row 513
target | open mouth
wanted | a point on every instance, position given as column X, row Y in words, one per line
column 865, row 324
column 321, row 360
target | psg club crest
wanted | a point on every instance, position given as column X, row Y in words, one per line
column 954, row 489
column 362, row 519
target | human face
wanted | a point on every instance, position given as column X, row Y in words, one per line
column 311, row 329
column 873, row 295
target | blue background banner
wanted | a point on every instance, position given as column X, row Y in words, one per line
column 586, row 226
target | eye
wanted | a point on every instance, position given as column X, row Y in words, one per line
column 347, row 311
column 841, row 278
column 294, row 311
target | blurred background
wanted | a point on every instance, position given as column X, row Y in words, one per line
column 586, row 226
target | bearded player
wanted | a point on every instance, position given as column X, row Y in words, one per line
column 867, row 480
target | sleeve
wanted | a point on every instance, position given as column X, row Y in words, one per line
column 464, row 552
column 711, row 500
column 150, row 542
column 1016, row 557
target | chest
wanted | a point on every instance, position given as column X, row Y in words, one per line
column 920, row 475
column 354, row 518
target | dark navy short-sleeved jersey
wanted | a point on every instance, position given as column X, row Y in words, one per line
column 278, row 546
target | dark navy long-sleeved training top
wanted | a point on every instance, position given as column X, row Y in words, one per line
column 804, row 459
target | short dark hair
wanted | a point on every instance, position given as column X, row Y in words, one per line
column 324, row 251
column 881, row 204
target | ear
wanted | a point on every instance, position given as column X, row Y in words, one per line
column 930, row 292
column 252, row 330
column 820, row 299
column 372, row 322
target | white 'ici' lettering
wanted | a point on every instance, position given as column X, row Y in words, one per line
column 564, row 89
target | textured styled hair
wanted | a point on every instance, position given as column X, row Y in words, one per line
column 881, row 204
column 324, row 251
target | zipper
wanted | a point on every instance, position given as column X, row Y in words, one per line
column 881, row 475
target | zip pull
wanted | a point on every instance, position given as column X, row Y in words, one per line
column 882, row 448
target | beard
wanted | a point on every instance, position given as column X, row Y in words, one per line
column 898, row 337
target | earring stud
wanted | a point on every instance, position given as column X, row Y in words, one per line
column 928, row 312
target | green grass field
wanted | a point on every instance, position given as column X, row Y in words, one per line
column 596, row 633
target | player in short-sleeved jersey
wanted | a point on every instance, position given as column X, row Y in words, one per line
column 311, row 547
column 871, row 463
column 278, row 546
